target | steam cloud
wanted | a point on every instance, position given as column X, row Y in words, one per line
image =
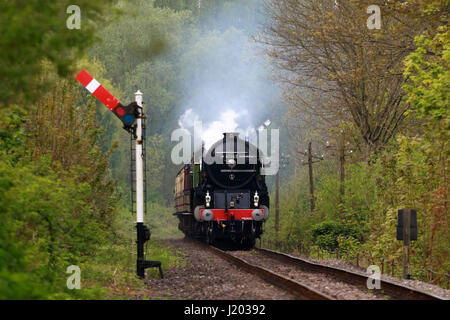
column 226, row 78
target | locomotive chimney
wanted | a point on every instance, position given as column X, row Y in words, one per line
column 230, row 134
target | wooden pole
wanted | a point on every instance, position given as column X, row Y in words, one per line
column 311, row 182
column 341, row 170
column 406, row 241
column 277, row 206
column 392, row 268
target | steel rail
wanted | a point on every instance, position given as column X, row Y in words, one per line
column 392, row 289
column 296, row 288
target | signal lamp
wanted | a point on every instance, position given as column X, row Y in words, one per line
column 127, row 114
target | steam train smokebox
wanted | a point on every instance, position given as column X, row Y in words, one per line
column 235, row 199
column 236, row 163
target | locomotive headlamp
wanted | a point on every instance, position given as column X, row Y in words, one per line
column 231, row 163
column 256, row 199
column 207, row 199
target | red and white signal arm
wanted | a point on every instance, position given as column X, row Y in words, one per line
column 127, row 114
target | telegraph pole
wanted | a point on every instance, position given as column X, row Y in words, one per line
column 341, row 168
column 311, row 181
column 340, row 151
column 309, row 154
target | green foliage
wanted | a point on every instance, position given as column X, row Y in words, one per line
column 12, row 135
column 58, row 204
column 131, row 60
column 163, row 224
column 210, row 13
column 112, row 267
column 57, row 199
column 60, row 208
column 48, row 225
column 348, row 245
column 411, row 172
column 427, row 70
column 35, row 30
column 327, row 233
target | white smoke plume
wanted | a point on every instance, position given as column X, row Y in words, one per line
column 213, row 130
column 226, row 76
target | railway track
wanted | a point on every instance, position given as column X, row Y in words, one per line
column 296, row 288
column 251, row 262
column 391, row 289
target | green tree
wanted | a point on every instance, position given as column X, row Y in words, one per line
column 35, row 30
column 427, row 70
column 58, row 201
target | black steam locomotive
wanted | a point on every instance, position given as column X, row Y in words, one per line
column 222, row 198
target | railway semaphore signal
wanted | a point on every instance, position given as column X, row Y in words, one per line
column 126, row 114
column 133, row 119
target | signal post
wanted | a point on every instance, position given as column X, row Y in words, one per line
column 132, row 117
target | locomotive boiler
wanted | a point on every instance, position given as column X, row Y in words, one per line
column 221, row 196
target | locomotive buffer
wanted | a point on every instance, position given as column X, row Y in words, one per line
column 133, row 119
